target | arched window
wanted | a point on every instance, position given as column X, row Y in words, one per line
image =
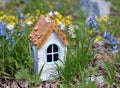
column 52, row 53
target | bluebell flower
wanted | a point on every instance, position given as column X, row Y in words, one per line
column 92, row 23
column 94, row 30
column 112, row 40
column 12, row 41
column 19, row 16
column 23, row 31
column 114, row 47
column 0, row 45
column 19, row 24
column 2, row 29
column 109, row 37
column 91, row 19
column 58, row 5
column 106, row 35
column 7, row 36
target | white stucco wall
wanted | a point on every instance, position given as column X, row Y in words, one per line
column 49, row 68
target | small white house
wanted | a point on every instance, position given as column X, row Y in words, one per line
column 48, row 44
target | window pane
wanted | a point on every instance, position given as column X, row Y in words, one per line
column 49, row 58
column 49, row 49
column 55, row 57
column 55, row 48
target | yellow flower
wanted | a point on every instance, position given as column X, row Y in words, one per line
column 69, row 17
column 100, row 20
column 12, row 17
column 29, row 22
column 67, row 22
column 0, row 18
column 90, row 31
column 33, row 20
column 59, row 16
column 28, row 14
column 63, row 20
column 105, row 18
column 97, row 18
column 57, row 20
column 23, row 25
column 98, row 38
column 4, row 16
column 12, row 23
column 1, row 12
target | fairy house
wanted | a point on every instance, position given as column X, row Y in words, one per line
column 48, row 47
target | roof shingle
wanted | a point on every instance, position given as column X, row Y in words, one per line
column 42, row 31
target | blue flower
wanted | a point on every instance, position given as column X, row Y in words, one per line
column 2, row 29
column 12, row 40
column 58, row 5
column 114, row 47
column 19, row 16
column 23, row 31
column 94, row 30
column 19, row 24
column 110, row 38
column 106, row 35
column 92, row 23
column 7, row 36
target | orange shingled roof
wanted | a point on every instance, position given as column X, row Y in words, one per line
column 42, row 31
